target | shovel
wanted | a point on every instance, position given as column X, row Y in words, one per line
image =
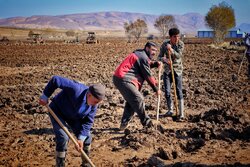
column 158, row 125
column 70, row 136
column 175, row 95
column 234, row 76
column 159, row 96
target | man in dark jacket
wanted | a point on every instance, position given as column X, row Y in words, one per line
column 128, row 79
column 247, row 44
column 75, row 105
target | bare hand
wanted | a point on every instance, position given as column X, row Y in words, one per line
column 169, row 62
column 160, row 65
column 158, row 93
column 169, row 48
column 80, row 145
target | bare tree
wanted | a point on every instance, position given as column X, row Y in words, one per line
column 220, row 18
column 50, row 31
column 30, row 34
column 127, row 31
column 70, row 33
column 12, row 33
column 164, row 23
column 135, row 29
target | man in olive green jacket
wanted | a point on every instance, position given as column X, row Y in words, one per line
column 175, row 47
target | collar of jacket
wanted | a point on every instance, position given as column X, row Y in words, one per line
column 144, row 50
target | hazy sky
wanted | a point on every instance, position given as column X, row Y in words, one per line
column 12, row 8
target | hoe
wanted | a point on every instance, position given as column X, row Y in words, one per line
column 70, row 136
column 158, row 126
column 175, row 95
column 234, row 76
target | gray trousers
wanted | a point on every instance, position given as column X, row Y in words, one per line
column 134, row 101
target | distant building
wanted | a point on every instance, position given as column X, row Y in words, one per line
column 232, row 33
column 205, row 33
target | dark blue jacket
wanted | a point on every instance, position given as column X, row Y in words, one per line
column 71, row 103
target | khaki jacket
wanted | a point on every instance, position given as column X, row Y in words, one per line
column 176, row 57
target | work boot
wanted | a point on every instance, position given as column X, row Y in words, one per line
column 86, row 149
column 60, row 159
column 170, row 112
column 181, row 109
column 60, row 162
column 149, row 123
column 85, row 163
column 148, row 126
column 124, row 124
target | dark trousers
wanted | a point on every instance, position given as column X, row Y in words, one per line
column 61, row 137
column 134, row 101
column 167, row 80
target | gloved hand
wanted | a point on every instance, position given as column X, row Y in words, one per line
column 43, row 100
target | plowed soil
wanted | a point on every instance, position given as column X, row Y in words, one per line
column 216, row 133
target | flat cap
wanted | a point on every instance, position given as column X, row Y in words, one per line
column 98, row 91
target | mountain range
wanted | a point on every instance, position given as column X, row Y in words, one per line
column 188, row 23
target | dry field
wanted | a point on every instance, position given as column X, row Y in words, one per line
column 49, row 34
column 217, row 132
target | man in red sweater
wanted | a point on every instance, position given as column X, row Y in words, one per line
column 128, row 79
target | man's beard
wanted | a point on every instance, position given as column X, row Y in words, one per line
column 149, row 55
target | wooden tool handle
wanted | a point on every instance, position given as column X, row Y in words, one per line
column 175, row 95
column 68, row 133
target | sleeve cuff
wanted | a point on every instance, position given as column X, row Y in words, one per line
column 155, row 89
column 164, row 60
column 81, row 137
column 154, row 64
column 44, row 97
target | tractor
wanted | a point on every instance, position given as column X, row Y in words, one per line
column 91, row 38
column 35, row 38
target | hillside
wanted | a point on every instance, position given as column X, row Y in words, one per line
column 188, row 23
